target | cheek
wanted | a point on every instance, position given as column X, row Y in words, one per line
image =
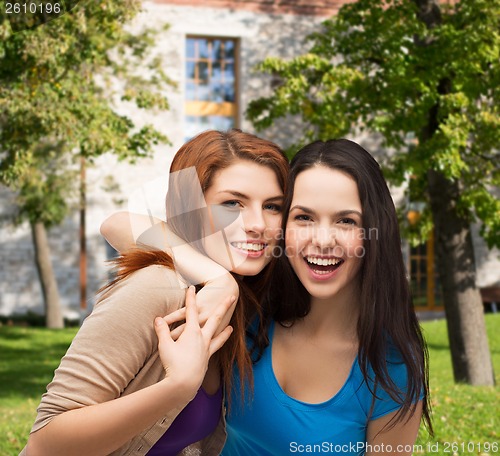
column 236, row 225
column 356, row 253
column 220, row 218
column 273, row 228
column 359, row 250
column 351, row 244
column 292, row 241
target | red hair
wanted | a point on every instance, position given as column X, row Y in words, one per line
column 210, row 152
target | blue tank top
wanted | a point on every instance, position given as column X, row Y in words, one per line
column 270, row 423
column 198, row 420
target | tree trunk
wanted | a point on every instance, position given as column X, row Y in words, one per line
column 457, row 271
column 470, row 353
column 53, row 314
column 83, row 238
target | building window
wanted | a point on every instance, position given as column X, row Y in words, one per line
column 425, row 287
column 211, row 84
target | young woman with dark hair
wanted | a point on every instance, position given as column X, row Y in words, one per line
column 341, row 365
column 119, row 391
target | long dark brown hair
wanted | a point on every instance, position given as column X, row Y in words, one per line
column 387, row 317
column 210, row 152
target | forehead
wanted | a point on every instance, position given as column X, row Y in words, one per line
column 246, row 177
column 325, row 189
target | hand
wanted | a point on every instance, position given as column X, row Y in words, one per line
column 205, row 302
column 186, row 360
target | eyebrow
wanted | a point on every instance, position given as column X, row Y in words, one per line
column 243, row 196
column 234, row 193
column 342, row 213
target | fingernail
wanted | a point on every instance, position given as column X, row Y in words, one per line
column 159, row 321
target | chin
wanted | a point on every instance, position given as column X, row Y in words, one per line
column 320, row 294
column 248, row 270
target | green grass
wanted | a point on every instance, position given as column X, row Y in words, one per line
column 28, row 357
column 463, row 415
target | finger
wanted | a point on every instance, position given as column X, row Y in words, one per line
column 175, row 316
column 218, row 341
column 176, row 332
column 162, row 331
column 232, row 307
column 191, row 309
column 215, row 319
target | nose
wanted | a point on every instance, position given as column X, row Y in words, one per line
column 254, row 221
column 324, row 237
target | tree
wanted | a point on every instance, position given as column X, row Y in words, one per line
column 58, row 82
column 425, row 77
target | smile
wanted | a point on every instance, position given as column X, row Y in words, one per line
column 322, row 265
column 251, row 247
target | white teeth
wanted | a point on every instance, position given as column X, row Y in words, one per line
column 247, row 246
column 322, row 261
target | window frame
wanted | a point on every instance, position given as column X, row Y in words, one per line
column 202, row 108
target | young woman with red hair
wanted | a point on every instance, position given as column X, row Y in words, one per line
column 117, row 390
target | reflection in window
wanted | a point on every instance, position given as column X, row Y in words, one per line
column 210, row 87
column 210, row 71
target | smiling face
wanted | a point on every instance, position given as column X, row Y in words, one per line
column 324, row 232
column 244, row 203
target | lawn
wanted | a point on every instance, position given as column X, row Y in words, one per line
column 28, row 357
column 466, row 419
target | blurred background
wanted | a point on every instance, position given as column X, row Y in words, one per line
column 95, row 101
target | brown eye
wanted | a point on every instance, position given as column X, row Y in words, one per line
column 272, row 207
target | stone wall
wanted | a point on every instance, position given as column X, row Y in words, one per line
column 112, row 185
column 297, row 7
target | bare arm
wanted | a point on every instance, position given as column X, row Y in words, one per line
column 397, row 440
column 124, row 230
column 105, row 427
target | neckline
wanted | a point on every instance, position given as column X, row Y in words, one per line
column 283, row 397
column 216, row 394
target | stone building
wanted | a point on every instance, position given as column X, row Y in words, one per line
column 211, row 48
